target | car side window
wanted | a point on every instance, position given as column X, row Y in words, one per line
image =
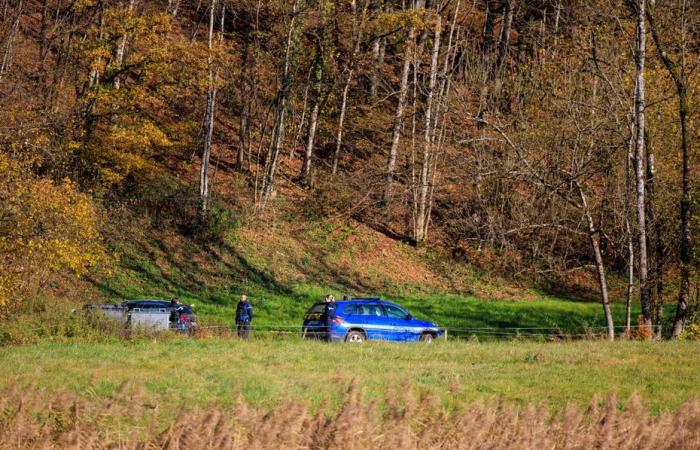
column 352, row 309
column 395, row 312
column 370, row 310
column 375, row 310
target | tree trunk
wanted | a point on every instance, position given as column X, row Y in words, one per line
column 398, row 118
column 245, row 108
column 305, row 174
column 645, row 291
column 9, row 42
column 684, row 291
column 282, row 98
column 421, row 214
column 341, row 120
column 357, row 31
column 593, row 236
column 653, row 229
column 94, row 73
column 121, row 49
column 487, row 38
column 208, row 119
column 628, row 228
column 678, row 72
column 504, row 39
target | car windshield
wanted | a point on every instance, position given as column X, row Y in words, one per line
column 395, row 312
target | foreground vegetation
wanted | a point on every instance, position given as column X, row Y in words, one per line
column 267, row 373
column 46, row 421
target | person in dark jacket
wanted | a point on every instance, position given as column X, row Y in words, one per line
column 244, row 315
column 174, row 312
column 329, row 312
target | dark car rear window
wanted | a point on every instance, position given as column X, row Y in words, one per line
column 320, row 308
column 316, row 312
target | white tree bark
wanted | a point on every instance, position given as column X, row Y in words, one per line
column 421, row 215
column 208, row 117
column 121, row 48
column 645, row 292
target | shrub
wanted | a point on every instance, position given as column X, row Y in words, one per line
column 46, row 228
column 691, row 333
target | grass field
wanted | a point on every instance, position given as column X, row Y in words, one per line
column 185, row 372
column 458, row 312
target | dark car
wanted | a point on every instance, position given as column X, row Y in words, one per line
column 360, row 319
column 156, row 314
column 180, row 316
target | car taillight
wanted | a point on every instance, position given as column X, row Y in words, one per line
column 337, row 320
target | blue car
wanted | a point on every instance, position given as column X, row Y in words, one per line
column 360, row 319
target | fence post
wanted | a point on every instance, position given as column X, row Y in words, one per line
column 445, row 334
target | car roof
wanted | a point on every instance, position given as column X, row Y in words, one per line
column 367, row 300
column 147, row 300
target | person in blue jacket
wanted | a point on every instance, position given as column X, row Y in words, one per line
column 329, row 312
column 244, row 315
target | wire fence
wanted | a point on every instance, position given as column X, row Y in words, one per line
column 447, row 333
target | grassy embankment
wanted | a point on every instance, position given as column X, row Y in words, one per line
column 285, row 268
column 193, row 373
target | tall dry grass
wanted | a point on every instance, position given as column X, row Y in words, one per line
column 32, row 419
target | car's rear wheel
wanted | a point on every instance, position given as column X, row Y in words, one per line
column 355, row 336
column 427, row 338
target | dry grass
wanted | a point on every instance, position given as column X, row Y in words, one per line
column 31, row 419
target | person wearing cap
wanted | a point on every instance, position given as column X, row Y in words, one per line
column 244, row 315
column 329, row 312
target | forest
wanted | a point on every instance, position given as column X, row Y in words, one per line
column 541, row 138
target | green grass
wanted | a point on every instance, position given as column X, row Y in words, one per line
column 213, row 277
column 466, row 313
column 184, row 372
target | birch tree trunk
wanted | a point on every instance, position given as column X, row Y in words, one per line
column 639, row 107
column 421, row 214
column 593, row 236
column 208, row 118
column 313, row 118
column 121, row 48
column 628, row 231
column 245, row 108
column 398, row 117
column 653, row 229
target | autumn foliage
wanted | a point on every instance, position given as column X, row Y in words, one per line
column 46, row 227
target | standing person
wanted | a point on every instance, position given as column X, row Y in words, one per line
column 244, row 315
column 174, row 312
column 329, row 313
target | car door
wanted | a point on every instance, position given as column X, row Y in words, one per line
column 374, row 321
column 400, row 325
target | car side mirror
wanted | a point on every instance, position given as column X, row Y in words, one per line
column 409, row 317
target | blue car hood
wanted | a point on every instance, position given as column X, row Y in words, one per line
column 421, row 323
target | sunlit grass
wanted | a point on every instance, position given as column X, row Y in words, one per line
column 264, row 372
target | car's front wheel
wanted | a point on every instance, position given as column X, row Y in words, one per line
column 427, row 338
column 355, row 336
